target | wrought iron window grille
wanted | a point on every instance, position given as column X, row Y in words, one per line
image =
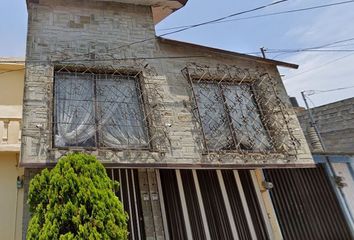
column 100, row 110
column 240, row 111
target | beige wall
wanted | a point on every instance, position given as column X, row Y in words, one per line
column 11, row 200
column 11, row 97
column 11, row 90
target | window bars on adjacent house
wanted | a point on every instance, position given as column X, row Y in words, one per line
column 240, row 111
column 99, row 110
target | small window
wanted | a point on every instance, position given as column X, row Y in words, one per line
column 99, row 110
column 230, row 117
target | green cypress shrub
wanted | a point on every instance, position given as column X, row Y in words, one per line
column 75, row 200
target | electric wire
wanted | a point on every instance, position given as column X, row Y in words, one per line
column 317, row 47
column 187, row 28
column 320, row 66
column 223, row 18
column 269, row 14
column 103, row 59
column 313, row 104
column 313, row 48
column 282, row 51
column 313, row 92
column 192, row 26
column 323, row 45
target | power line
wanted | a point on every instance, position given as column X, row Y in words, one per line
column 310, row 50
column 316, row 47
column 282, row 51
column 223, row 18
column 210, row 22
column 320, row 66
column 196, row 56
column 194, row 26
column 268, row 14
column 98, row 60
column 101, row 60
column 344, row 45
column 313, row 92
column 313, row 104
column 313, row 48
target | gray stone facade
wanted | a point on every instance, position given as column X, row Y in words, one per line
column 335, row 122
column 103, row 35
column 99, row 35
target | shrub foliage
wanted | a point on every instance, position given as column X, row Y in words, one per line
column 75, row 200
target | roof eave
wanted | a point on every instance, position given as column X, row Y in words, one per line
column 230, row 53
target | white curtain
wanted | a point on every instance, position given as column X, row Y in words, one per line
column 119, row 112
column 75, row 117
column 122, row 123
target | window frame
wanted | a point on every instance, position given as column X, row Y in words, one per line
column 236, row 147
column 142, row 100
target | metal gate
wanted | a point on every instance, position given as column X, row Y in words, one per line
column 129, row 195
column 306, row 205
column 211, row 204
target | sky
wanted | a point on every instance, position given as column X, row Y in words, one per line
column 318, row 70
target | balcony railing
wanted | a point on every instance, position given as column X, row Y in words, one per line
column 10, row 130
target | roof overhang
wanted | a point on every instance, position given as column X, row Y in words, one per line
column 230, row 53
column 160, row 8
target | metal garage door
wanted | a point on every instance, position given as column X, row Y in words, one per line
column 306, row 205
column 211, row 204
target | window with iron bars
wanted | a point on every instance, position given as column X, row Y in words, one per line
column 230, row 117
column 99, row 111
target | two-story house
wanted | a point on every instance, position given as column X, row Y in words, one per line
column 185, row 129
column 11, row 175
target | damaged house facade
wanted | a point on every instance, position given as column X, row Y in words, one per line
column 185, row 129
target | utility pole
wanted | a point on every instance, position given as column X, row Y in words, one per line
column 312, row 121
column 263, row 52
column 335, row 178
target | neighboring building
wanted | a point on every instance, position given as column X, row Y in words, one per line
column 185, row 129
column 11, row 175
column 335, row 122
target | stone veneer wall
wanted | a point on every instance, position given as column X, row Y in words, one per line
column 335, row 122
column 91, row 34
column 95, row 34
